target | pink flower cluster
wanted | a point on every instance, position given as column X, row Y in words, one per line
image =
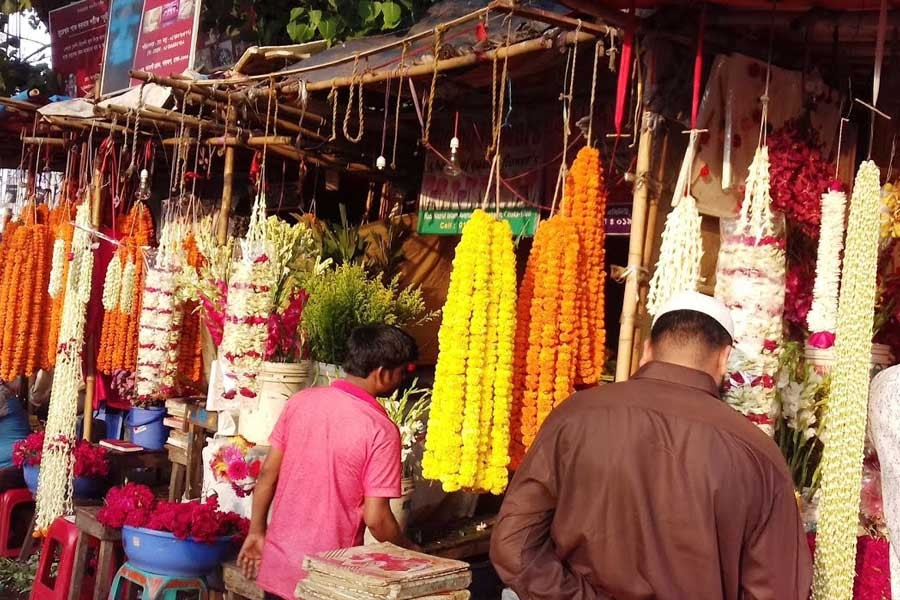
column 214, row 311
column 135, row 506
column 90, row 460
column 230, row 463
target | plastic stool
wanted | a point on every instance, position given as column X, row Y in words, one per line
column 11, row 500
column 61, row 544
column 156, row 587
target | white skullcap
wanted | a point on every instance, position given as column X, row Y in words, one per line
column 697, row 302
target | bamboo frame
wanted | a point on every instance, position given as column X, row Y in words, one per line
column 635, row 250
column 227, row 182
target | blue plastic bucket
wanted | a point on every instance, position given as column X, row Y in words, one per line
column 160, row 552
column 84, row 487
column 146, row 427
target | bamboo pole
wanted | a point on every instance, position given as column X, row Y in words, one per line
column 44, row 141
column 227, row 181
column 649, row 242
column 91, row 345
column 468, row 60
column 635, row 249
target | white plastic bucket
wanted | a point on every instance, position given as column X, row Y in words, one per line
column 822, row 360
column 277, row 383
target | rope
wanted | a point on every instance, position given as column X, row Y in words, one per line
column 333, row 98
column 400, row 70
column 384, row 123
column 137, row 123
column 355, row 77
column 566, row 98
column 598, row 48
column 438, row 42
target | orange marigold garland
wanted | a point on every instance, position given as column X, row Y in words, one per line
column 560, row 336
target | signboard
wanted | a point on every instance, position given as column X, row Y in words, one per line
column 148, row 35
column 168, row 32
column 77, row 33
column 618, row 219
column 447, row 199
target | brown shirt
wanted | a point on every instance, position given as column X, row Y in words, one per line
column 652, row 488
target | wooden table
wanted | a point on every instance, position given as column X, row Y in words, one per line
column 110, row 540
column 187, row 464
column 238, row 587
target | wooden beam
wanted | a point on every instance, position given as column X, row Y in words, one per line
column 44, row 141
column 551, row 18
column 450, row 64
column 227, row 184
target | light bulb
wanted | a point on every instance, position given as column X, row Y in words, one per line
column 451, row 169
column 381, row 163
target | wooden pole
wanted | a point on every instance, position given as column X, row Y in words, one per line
column 635, row 249
column 649, row 242
column 227, row 181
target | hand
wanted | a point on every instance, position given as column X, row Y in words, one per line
column 251, row 555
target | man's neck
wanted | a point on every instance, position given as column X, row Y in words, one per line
column 363, row 384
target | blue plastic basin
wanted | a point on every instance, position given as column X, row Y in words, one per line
column 162, row 553
column 84, row 487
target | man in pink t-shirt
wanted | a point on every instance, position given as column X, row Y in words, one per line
column 333, row 466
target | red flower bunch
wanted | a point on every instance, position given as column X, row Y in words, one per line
column 134, row 505
column 798, row 176
column 214, row 311
column 798, row 294
column 90, row 460
column 873, row 572
column 284, row 338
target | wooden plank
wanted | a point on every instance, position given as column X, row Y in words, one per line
column 86, row 521
column 81, row 550
column 105, row 570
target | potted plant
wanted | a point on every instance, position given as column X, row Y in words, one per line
column 179, row 539
column 408, row 410
column 90, row 469
column 346, row 297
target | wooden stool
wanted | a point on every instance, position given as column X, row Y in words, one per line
column 108, row 555
column 156, row 587
column 61, row 542
column 238, row 587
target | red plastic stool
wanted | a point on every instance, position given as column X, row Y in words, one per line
column 16, row 506
column 60, row 547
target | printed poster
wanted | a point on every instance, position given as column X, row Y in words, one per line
column 166, row 41
column 77, row 35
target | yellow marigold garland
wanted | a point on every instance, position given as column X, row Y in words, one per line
column 467, row 442
column 845, row 424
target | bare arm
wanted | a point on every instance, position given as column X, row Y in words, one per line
column 381, row 522
column 263, row 493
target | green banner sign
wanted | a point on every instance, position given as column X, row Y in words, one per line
column 450, row 222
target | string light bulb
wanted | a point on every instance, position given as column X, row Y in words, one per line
column 451, row 169
column 381, row 163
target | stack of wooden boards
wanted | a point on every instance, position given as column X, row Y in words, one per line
column 383, row 572
column 176, row 417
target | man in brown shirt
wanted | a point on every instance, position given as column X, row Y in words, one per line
column 655, row 488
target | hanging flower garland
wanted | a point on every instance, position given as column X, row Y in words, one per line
column 751, row 282
column 62, row 247
column 822, row 318
column 54, row 493
column 160, row 322
column 585, row 201
column 250, row 302
column 845, row 424
column 678, row 267
column 467, row 444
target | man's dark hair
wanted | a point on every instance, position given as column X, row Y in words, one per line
column 683, row 327
column 374, row 346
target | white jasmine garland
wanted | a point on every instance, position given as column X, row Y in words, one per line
column 54, row 493
column 58, row 265
column 822, row 316
column 112, row 284
column 126, row 289
column 846, row 404
column 678, row 268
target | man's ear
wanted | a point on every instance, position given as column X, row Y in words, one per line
column 647, row 354
column 722, row 363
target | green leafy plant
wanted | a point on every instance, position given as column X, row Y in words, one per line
column 346, row 297
column 16, row 578
column 342, row 242
column 335, row 20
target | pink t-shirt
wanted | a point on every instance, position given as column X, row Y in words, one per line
column 339, row 447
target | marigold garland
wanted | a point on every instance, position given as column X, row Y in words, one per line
column 845, row 424
column 467, row 444
column 560, row 335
